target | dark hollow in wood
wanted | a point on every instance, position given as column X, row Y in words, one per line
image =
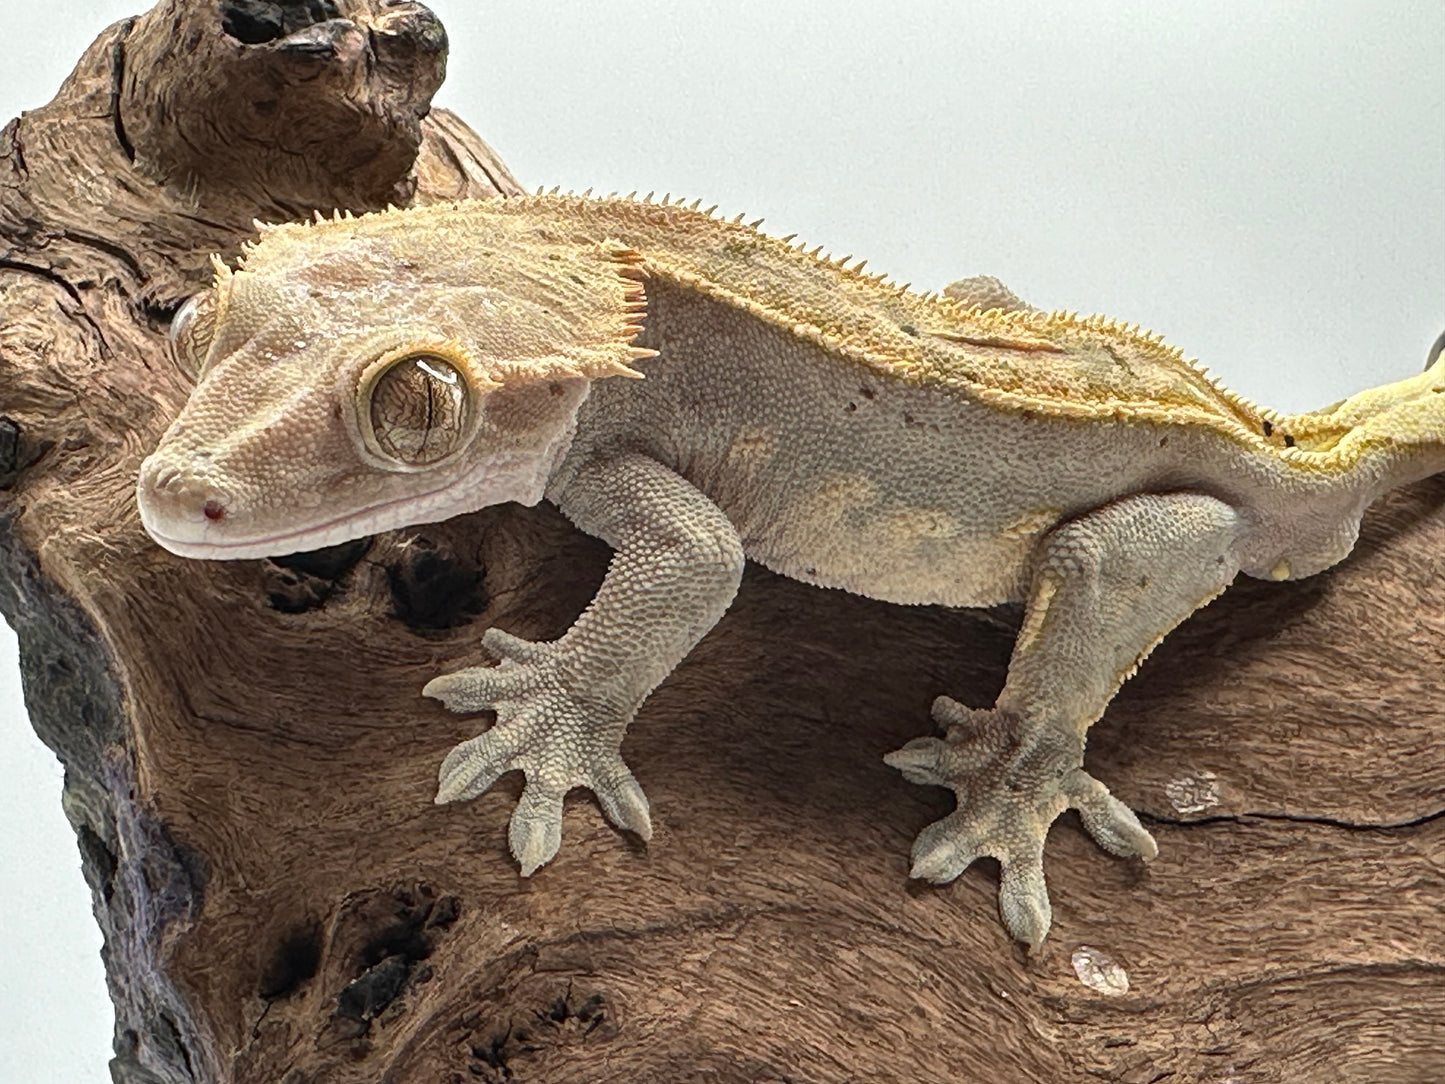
column 249, row 764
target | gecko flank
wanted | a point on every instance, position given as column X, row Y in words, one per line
column 365, row 374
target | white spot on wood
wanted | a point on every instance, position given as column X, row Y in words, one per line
column 1100, row 972
column 1193, row 793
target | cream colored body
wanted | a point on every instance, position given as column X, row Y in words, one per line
column 953, row 496
column 366, row 374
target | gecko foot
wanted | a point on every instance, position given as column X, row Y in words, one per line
column 549, row 733
column 1012, row 781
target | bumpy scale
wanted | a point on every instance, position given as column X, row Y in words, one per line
column 365, row 374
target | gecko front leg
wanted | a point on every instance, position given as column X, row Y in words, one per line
column 1106, row 588
column 563, row 707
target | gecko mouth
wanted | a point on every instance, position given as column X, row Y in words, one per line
column 419, row 508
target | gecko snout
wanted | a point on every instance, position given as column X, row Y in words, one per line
column 180, row 505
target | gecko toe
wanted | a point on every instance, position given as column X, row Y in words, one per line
column 556, row 739
column 622, row 799
column 506, row 646
column 919, row 761
column 942, row 851
column 1111, row 823
column 535, row 833
column 948, row 712
column 1023, row 899
column 523, row 668
column 471, row 768
column 1012, row 780
column 476, row 688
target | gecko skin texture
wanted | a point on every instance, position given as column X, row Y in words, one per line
column 694, row 393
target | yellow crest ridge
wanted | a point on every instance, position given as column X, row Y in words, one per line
column 1052, row 363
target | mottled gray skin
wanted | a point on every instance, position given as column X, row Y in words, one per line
column 761, row 429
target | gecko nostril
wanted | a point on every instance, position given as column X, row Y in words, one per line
column 214, row 511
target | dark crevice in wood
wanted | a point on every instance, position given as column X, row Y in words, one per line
column 9, row 449
column 45, row 273
column 18, row 453
column 79, row 313
column 258, row 22
column 17, row 148
column 1246, row 818
column 117, row 82
column 112, row 249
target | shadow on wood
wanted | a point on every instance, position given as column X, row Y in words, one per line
column 250, row 766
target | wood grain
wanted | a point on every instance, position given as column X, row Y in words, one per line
column 250, row 764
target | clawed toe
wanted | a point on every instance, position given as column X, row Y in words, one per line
column 535, row 833
column 476, row 688
column 948, row 712
column 557, row 741
column 942, row 851
column 919, row 761
column 1012, row 780
column 949, row 846
column 471, row 768
column 1023, row 898
column 623, row 802
column 970, row 744
column 1111, row 823
column 506, row 646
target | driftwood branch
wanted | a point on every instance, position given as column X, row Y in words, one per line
column 249, row 765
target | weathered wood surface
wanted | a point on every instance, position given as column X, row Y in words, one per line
column 250, row 765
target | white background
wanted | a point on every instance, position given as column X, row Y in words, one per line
column 1262, row 182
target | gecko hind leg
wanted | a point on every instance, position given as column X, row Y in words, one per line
column 1105, row 588
column 1010, row 789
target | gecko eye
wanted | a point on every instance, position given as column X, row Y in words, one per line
column 418, row 409
column 192, row 329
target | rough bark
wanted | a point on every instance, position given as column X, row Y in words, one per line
column 250, row 766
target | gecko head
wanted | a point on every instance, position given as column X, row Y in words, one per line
column 317, row 419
